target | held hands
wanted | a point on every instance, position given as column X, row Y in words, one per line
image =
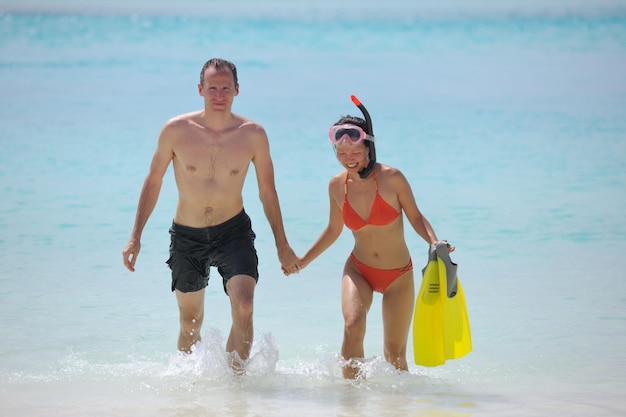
column 299, row 266
column 290, row 263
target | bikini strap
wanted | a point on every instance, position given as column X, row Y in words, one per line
column 375, row 182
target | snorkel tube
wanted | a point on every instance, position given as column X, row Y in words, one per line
column 365, row 172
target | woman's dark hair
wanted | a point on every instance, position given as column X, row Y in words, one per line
column 353, row 120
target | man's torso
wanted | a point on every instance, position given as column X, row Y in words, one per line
column 210, row 168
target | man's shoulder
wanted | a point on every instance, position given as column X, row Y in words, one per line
column 183, row 119
column 251, row 130
column 246, row 123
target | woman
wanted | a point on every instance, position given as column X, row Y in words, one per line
column 369, row 198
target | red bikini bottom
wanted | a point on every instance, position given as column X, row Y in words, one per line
column 379, row 279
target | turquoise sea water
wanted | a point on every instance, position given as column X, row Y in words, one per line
column 509, row 121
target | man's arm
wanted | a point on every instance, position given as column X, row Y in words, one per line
column 149, row 196
column 269, row 198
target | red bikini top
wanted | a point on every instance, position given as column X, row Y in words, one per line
column 381, row 213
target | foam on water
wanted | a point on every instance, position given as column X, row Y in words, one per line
column 202, row 383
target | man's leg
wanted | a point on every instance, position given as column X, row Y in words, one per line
column 191, row 309
column 241, row 293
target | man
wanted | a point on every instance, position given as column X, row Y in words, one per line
column 211, row 151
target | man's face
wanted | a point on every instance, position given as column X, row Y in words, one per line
column 218, row 88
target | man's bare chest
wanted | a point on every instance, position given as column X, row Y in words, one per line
column 217, row 159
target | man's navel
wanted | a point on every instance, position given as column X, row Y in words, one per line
column 207, row 214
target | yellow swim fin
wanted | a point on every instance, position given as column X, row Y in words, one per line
column 440, row 323
column 428, row 346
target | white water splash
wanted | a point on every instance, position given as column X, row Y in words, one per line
column 209, row 360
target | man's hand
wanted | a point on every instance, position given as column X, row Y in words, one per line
column 130, row 253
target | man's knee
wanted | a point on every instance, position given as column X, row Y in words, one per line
column 241, row 293
column 243, row 307
column 190, row 307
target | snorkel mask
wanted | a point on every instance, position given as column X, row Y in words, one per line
column 355, row 134
column 365, row 172
column 350, row 132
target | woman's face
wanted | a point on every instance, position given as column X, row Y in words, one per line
column 353, row 157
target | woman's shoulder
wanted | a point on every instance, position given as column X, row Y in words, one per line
column 336, row 187
column 388, row 171
column 337, row 179
column 389, row 176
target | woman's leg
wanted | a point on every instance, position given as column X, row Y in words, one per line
column 356, row 299
column 398, row 302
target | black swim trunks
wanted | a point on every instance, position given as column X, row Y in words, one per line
column 228, row 246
